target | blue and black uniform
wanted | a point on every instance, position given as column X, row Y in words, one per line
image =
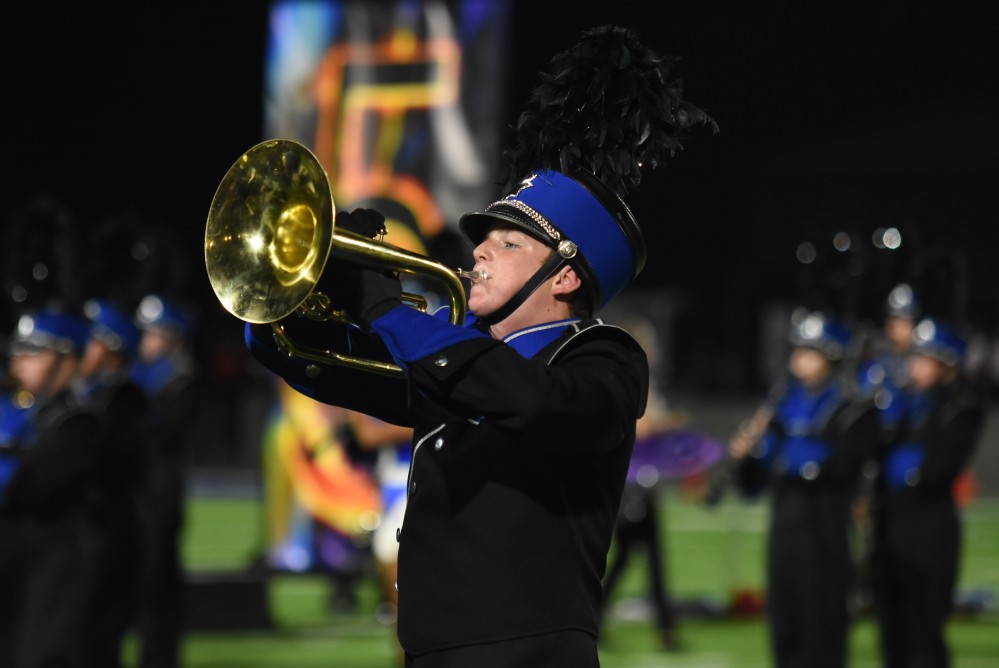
column 918, row 533
column 521, row 448
column 50, row 454
column 810, row 457
column 173, row 388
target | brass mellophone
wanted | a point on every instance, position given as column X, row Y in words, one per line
column 271, row 234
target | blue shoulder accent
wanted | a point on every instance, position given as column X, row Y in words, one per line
column 411, row 335
column 800, row 450
column 901, row 466
column 8, row 467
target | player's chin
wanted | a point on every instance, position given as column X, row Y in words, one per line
column 478, row 303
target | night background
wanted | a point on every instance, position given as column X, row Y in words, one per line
column 849, row 117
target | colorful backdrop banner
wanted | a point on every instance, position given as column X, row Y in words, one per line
column 403, row 104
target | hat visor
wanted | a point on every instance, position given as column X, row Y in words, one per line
column 29, row 348
column 476, row 225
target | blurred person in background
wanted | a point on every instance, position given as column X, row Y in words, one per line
column 882, row 375
column 44, row 496
column 393, row 446
column 884, row 372
column 14, row 421
column 169, row 374
column 639, row 522
column 105, row 387
column 809, row 443
column 917, row 524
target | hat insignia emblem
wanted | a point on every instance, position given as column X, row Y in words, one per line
column 524, row 185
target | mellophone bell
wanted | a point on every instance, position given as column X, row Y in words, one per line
column 271, row 234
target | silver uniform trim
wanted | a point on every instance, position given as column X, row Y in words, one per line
column 541, row 328
column 412, row 465
column 598, row 322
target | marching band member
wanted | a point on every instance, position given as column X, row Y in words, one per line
column 524, row 417
column 43, row 505
column 104, row 386
column 917, row 528
column 808, row 445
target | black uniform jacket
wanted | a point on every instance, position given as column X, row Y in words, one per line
column 947, row 428
column 58, row 464
column 521, row 448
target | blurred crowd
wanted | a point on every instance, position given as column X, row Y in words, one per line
column 863, row 446
column 95, row 411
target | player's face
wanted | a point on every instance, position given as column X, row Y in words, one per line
column 898, row 331
column 510, row 257
column 96, row 357
column 154, row 345
column 809, row 366
column 33, row 371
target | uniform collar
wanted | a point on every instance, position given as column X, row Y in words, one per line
column 530, row 340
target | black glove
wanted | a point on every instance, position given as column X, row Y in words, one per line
column 341, row 281
column 366, row 222
column 380, row 292
column 364, row 294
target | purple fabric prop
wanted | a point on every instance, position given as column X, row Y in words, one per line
column 672, row 454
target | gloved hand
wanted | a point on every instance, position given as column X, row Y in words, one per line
column 380, row 292
column 364, row 294
column 341, row 281
column 366, row 222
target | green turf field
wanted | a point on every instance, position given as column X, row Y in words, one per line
column 713, row 555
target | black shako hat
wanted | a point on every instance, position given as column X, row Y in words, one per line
column 603, row 111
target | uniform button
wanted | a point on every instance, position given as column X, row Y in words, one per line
column 441, row 361
column 312, row 371
column 412, row 488
column 398, row 534
column 439, row 443
column 809, row 470
column 397, row 585
column 912, row 477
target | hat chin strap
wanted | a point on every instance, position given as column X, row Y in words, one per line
column 546, row 271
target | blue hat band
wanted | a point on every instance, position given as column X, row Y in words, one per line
column 155, row 312
column 113, row 327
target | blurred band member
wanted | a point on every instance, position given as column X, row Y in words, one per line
column 167, row 371
column 43, row 502
column 917, row 528
column 105, row 388
column 814, row 441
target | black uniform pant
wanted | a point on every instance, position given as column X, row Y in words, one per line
column 915, row 569
column 809, row 574
column 638, row 528
column 107, row 574
column 565, row 649
column 42, row 608
column 159, row 614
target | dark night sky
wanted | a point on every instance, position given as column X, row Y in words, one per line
column 850, row 116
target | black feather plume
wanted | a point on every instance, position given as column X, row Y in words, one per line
column 606, row 105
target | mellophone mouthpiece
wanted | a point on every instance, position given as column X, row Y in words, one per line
column 474, row 276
